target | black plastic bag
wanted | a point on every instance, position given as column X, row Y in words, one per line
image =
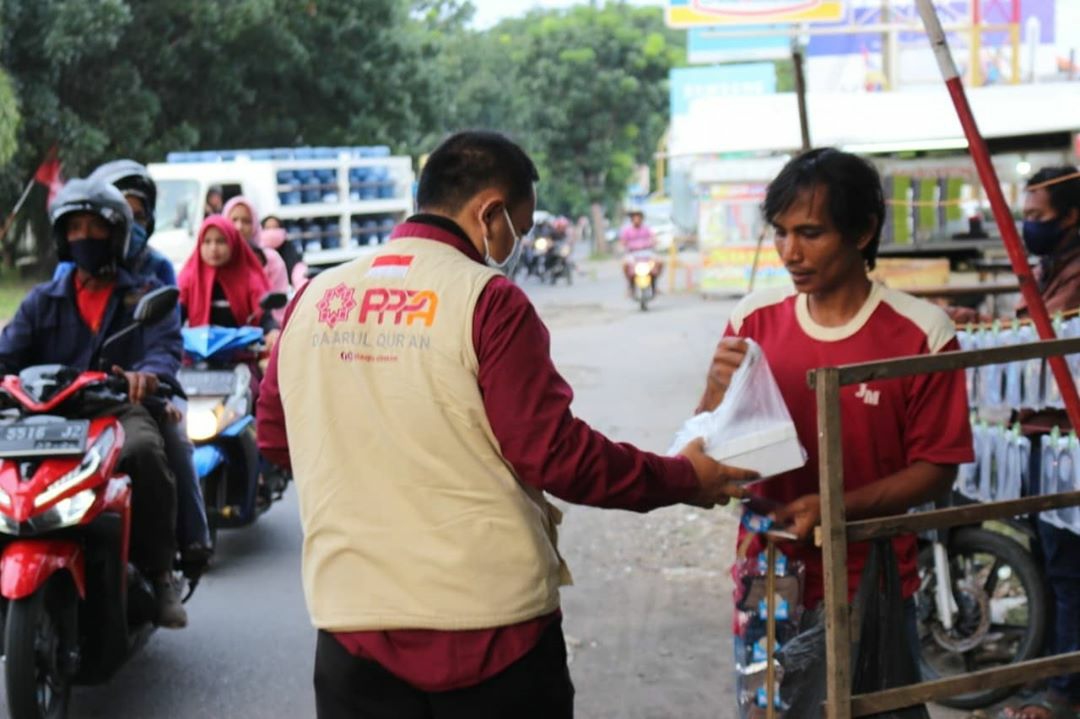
column 881, row 658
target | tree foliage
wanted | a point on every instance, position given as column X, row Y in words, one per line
column 9, row 118
column 585, row 89
column 599, row 80
column 104, row 78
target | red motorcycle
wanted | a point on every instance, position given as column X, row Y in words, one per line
column 75, row 608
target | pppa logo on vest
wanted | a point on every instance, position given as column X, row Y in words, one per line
column 381, row 308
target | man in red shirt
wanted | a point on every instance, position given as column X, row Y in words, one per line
column 476, row 197
column 903, row 438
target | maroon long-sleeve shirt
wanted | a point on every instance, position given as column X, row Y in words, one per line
column 528, row 406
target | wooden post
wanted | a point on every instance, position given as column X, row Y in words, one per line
column 834, row 549
column 800, row 92
column 976, row 43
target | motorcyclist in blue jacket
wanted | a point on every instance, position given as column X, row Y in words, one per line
column 66, row 321
column 139, row 189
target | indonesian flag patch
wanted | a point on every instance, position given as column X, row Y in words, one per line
column 390, row 266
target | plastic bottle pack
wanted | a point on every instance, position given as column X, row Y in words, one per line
column 751, row 618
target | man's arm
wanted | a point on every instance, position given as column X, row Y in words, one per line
column 269, row 412
column 17, row 339
column 163, row 269
column 527, row 404
column 164, row 347
column 916, row 484
column 937, row 436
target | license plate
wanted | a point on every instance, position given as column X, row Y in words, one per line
column 36, row 439
column 642, row 281
column 207, row 383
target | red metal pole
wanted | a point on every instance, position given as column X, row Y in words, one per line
column 988, row 176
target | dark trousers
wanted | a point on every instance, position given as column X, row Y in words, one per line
column 537, row 686
column 1061, row 549
column 153, row 491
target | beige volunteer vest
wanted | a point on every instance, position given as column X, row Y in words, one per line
column 411, row 516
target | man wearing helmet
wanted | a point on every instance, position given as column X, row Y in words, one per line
column 143, row 261
column 66, row 321
column 140, row 191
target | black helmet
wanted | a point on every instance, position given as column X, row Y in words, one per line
column 97, row 197
column 131, row 178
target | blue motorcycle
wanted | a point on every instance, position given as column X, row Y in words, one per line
column 237, row 484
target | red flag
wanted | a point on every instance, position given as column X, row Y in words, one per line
column 48, row 174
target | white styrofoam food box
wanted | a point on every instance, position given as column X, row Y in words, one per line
column 769, row 451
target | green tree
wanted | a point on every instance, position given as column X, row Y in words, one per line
column 9, row 118
column 139, row 78
column 597, row 80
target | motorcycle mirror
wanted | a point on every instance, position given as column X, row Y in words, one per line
column 152, row 307
column 273, row 301
column 156, row 305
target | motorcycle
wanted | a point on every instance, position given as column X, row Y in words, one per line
column 237, row 485
column 982, row 602
column 555, row 260
column 643, row 268
column 75, row 609
column 531, row 262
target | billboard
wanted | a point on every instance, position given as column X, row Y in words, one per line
column 689, row 85
column 704, row 45
column 713, row 13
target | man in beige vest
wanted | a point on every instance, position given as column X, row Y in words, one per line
column 425, row 422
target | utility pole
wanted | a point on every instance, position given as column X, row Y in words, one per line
column 888, row 47
column 800, row 91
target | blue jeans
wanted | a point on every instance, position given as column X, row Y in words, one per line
column 191, row 524
column 1061, row 550
column 1061, row 564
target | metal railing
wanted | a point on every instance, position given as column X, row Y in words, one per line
column 836, row 532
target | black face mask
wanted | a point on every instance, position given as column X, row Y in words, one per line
column 94, row 257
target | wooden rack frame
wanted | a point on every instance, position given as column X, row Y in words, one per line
column 836, row 532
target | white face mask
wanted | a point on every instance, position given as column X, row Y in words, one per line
column 507, row 265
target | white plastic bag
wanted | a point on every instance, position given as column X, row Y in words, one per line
column 968, row 475
column 969, row 340
column 991, row 377
column 752, row 427
column 1033, row 371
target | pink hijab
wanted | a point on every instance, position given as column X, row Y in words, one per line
column 276, row 272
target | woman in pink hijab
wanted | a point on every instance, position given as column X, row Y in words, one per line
column 241, row 212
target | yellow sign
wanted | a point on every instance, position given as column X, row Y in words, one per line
column 712, row 13
column 726, row 270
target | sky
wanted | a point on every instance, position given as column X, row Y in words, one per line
column 489, row 12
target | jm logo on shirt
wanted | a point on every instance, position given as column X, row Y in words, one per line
column 868, row 396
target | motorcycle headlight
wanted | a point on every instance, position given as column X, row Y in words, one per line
column 564, row 251
column 64, row 513
column 90, row 463
column 202, row 419
column 542, row 244
column 643, row 268
column 73, row 508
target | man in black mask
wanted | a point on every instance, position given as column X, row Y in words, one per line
column 1052, row 233
column 66, row 321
